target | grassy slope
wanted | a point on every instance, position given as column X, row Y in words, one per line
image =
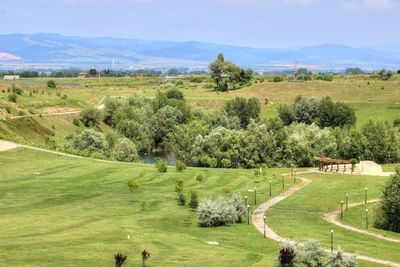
column 301, row 216
column 356, row 217
column 72, row 212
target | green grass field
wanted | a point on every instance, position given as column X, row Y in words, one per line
column 301, row 216
column 78, row 212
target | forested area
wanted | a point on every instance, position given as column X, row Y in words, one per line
column 235, row 136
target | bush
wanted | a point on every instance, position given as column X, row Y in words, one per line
column 91, row 141
column 396, row 123
column 179, row 186
column 194, row 201
column 387, row 216
column 125, row 150
column 180, row 166
column 64, row 96
column 51, row 84
column 181, row 199
column 310, row 253
column 16, row 90
column 161, row 165
column 133, row 184
column 286, row 256
column 338, row 259
column 90, row 117
column 199, row 179
column 218, row 212
column 12, row 97
column 277, row 78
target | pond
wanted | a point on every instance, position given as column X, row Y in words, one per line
column 150, row 158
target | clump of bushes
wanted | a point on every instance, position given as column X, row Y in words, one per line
column 91, row 141
column 125, row 150
column 277, row 78
column 221, row 211
column 310, row 253
column 13, row 97
column 387, row 215
column 133, row 184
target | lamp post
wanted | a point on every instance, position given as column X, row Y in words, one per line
column 283, row 182
column 294, row 176
column 255, row 196
column 366, row 196
column 331, row 241
column 270, row 187
column 366, row 219
column 248, row 214
column 347, row 202
column 341, row 210
column 265, row 228
column 245, row 201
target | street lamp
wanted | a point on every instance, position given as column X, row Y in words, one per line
column 245, row 201
column 341, row 210
column 248, row 214
column 347, row 202
column 294, row 177
column 265, row 228
column 366, row 219
column 366, row 196
column 283, row 182
column 331, row 241
column 270, row 187
column 255, row 195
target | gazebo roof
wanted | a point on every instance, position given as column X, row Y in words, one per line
column 330, row 160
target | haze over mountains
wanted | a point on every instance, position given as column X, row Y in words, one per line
column 57, row 51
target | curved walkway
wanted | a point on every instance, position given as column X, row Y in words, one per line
column 257, row 219
column 332, row 217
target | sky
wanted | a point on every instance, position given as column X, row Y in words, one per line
column 255, row 23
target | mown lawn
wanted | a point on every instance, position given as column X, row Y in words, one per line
column 58, row 211
column 301, row 216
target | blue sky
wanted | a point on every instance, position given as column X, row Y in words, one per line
column 257, row 23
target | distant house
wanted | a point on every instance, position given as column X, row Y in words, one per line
column 11, row 77
column 82, row 75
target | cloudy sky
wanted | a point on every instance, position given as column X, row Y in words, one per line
column 257, row 23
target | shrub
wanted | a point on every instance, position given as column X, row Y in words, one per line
column 387, row 216
column 51, row 84
column 286, row 256
column 16, row 90
column 180, row 166
column 145, row 256
column 396, row 123
column 199, row 179
column 64, row 96
column 218, row 212
column 277, row 78
column 226, row 163
column 181, row 199
column 91, row 141
column 119, row 259
column 133, row 184
column 90, row 117
column 161, row 165
column 179, row 186
column 12, row 97
column 125, row 150
column 76, row 121
column 338, row 259
column 194, row 201
column 310, row 253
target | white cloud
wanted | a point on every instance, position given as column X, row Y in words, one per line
column 380, row 4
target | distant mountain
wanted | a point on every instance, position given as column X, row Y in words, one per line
column 57, row 51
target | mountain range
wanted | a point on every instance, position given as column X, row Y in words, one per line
column 51, row 51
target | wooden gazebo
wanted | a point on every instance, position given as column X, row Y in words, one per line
column 326, row 164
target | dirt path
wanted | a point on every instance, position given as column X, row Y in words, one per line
column 45, row 114
column 257, row 219
column 332, row 217
column 5, row 145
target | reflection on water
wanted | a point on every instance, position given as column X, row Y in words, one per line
column 150, row 158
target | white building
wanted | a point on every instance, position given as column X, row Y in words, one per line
column 11, row 77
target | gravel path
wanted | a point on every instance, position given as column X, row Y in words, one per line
column 332, row 217
column 5, row 145
column 257, row 219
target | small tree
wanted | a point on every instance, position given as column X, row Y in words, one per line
column 125, row 150
column 17, row 90
column 90, row 117
column 133, row 184
column 199, row 179
column 194, row 201
column 181, row 199
column 119, row 259
column 145, row 257
column 12, row 97
column 161, row 165
column 353, row 163
column 286, row 256
column 338, row 259
column 180, row 166
column 51, row 84
column 179, row 186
